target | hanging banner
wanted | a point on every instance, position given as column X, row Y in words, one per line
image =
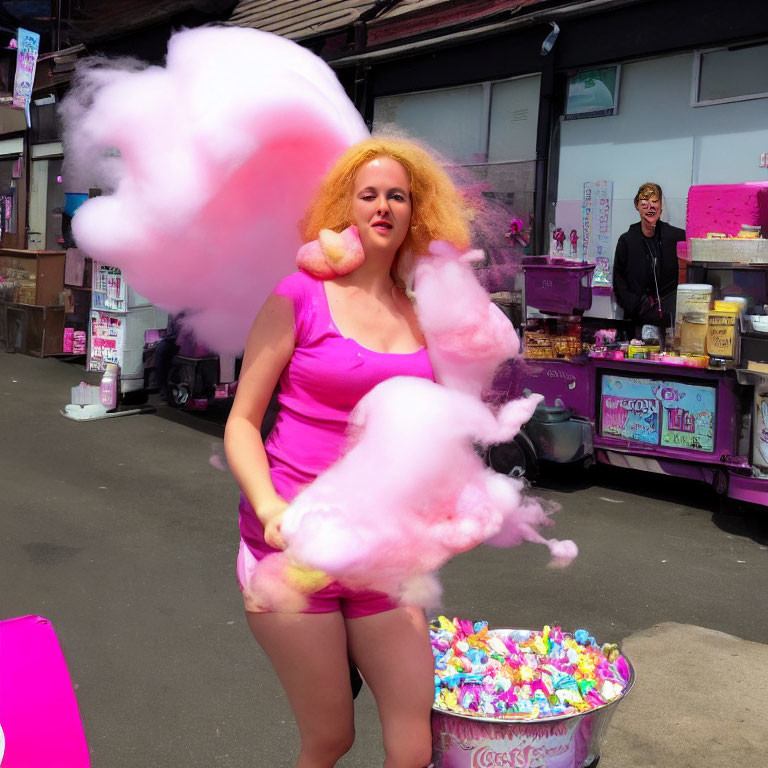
column 26, row 61
column 596, row 229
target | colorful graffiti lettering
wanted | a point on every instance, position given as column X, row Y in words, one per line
column 681, row 420
column 529, row 756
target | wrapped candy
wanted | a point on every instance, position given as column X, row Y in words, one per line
column 520, row 674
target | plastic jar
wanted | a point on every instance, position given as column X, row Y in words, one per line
column 108, row 386
column 693, row 334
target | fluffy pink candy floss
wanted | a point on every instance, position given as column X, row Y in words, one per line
column 411, row 492
column 205, row 177
column 333, row 254
column 468, row 336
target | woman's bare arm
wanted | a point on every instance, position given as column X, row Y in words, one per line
column 268, row 349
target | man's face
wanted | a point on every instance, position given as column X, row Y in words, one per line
column 649, row 210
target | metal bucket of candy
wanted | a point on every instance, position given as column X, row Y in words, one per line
column 522, row 699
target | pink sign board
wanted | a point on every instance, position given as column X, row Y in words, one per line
column 462, row 743
column 40, row 724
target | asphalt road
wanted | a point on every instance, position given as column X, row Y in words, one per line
column 123, row 533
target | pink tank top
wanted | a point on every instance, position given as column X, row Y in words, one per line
column 324, row 380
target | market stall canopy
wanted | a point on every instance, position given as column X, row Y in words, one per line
column 89, row 20
column 299, row 19
column 387, row 20
column 340, row 27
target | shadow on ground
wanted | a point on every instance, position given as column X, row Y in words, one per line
column 565, row 479
column 734, row 517
column 742, row 519
column 210, row 421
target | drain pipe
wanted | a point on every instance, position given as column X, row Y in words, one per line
column 363, row 68
column 543, row 141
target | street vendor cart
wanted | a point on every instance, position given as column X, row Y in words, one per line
column 695, row 412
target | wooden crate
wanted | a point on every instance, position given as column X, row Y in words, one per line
column 32, row 330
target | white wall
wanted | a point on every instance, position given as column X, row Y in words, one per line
column 657, row 136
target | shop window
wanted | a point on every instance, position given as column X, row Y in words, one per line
column 489, row 129
column 514, row 120
column 452, row 120
column 730, row 74
column 593, row 93
column 54, row 205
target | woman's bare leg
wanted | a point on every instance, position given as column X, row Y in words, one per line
column 309, row 654
column 393, row 652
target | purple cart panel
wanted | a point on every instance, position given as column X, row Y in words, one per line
column 750, row 489
column 570, row 382
column 559, row 288
column 676, row 434
column 652, row 463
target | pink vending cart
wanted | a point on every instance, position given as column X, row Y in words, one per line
column 664, row 415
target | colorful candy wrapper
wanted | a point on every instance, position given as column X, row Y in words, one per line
column 522, row 674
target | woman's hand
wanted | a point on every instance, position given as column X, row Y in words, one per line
column 271, row 516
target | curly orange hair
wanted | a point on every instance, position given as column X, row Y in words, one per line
column 439, row 210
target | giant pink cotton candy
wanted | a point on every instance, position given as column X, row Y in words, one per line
column 468, row 336
column 411, row 492
column 220, row 152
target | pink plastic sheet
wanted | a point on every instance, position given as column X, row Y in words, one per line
column 40, row 724
column 722, row 208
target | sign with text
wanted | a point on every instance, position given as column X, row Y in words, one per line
column 593, row 93
column 462, row 743
column 596, row 229
column 688, row 416
column 26, row 61
column 671, row 414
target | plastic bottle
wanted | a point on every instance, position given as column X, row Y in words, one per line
column 108, row 387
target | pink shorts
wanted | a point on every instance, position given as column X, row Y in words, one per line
column 353, row 604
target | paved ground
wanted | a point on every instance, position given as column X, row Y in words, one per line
column 123, row 534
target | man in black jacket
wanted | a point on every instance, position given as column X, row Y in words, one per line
column 645, row 264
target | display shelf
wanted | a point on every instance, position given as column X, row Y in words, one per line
column 40, row 275
column 733, row 265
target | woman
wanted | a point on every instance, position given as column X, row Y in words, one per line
column 327, row 343
column 645, row 265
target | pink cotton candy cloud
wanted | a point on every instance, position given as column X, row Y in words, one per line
column 209, row 164
column 332, row 254
column 468, row 336
column 411, row 491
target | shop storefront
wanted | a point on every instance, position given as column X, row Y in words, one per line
column 31, row 271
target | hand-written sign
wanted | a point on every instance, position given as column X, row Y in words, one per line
column 721, row 335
